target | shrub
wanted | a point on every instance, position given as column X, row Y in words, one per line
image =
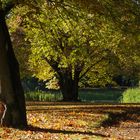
column 131, row 96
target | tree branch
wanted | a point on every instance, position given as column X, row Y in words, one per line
column 53, row 64
column 89, row 68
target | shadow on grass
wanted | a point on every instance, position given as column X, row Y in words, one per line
column 37, row 129
column 115, row 118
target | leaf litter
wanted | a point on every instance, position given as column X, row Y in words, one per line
column 71, row 124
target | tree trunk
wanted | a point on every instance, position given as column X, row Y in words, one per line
column 75, row 84
column 11, row 91
column 69, row 86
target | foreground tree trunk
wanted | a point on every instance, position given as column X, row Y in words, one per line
column 11, row 92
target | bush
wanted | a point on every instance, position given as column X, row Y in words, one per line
column 131, row 96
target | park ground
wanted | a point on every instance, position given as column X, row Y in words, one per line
column 78, row 121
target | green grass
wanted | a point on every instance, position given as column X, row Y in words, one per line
column 86, row 95
column 43, row 96
column 116, row 95
column 131, row 95
column 100, row 95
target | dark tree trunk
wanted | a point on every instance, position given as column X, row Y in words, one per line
column 66, row 87
column 11, row 90
column 69, row 86
column 75, row 84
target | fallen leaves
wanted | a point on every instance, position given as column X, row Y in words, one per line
column 70, row 124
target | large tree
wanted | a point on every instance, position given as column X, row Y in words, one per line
column 11, row 92
column 71, row 41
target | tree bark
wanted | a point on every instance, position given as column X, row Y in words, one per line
column 11, row 91
column 67, row 82
column 69, row 86
column 75, row 84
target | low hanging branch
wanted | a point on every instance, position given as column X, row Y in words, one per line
column 53, row 64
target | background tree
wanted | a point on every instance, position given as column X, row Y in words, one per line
column 71, row 45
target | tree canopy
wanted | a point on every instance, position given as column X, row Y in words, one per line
column 47, row 21
column 73, row 44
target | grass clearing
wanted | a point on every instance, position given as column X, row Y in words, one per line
column 43, row 96
column 86, row 95
column 99, row 95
